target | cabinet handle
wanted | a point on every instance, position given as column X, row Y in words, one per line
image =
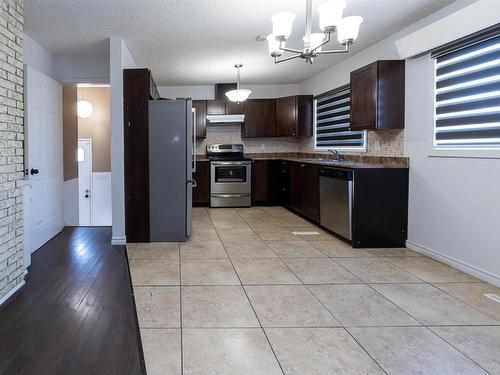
column 302, row 165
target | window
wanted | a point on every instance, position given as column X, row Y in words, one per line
column 467, row 95
column 332, row 122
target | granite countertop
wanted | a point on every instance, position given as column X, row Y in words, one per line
column 348, row 161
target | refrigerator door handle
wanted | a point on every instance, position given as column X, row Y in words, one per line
column 194, row 140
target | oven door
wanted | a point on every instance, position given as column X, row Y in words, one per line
column 230, row 177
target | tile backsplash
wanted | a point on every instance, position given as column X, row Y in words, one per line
column 232, row 134
column 379, row 143
column 386, row 143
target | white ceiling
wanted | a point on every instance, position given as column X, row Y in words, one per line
column 198, row 41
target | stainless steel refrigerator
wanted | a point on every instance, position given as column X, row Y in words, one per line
column 171, row 162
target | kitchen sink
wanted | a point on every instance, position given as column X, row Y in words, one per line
column 326, row 160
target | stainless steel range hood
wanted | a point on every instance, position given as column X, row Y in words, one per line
column 225, row 119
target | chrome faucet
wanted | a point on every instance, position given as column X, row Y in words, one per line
column 336, row 154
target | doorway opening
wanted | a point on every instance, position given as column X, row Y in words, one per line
column 87, row 155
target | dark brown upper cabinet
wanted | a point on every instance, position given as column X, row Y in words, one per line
column 260, row 118
column 201, row 121
column 233, row 108
column 294, row 116
column 216, row 107
column 378, row 96
column 223, row 107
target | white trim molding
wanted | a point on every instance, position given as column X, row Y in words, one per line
column 12, row 291
column 455, row 263
column 118, row 241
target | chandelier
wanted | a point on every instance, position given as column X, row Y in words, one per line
column 238, row 95
column 330, row 21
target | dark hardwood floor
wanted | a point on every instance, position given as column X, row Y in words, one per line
column 76, row 313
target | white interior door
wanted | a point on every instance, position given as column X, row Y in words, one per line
column 44, row 160
column 85, row 181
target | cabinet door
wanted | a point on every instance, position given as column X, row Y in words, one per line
column 216, row 107
column 201, row 193
column 278, row 182
column 297, row 187
column 364, row 97
column 259, row 182
column 304, row 115
column 201, row 121
column 286, row 116
column 260, row 118
column 233, row 108
column 311, row 192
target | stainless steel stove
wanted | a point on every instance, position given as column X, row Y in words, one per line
column 230, row 176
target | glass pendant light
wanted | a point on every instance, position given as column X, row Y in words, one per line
column 274, row 45
column 84, row 109
column 330, row 14
column 238, row 95
column 282, row 24
column 315, row 40
column 349, row 29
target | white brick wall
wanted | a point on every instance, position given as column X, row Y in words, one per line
column 11, row 144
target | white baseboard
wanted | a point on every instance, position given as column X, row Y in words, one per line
column 119, row 240
column 13, row 290
column 455, row 263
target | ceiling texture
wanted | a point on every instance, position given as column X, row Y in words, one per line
column 191, row 42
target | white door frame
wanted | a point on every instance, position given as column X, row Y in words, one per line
column 81, row 199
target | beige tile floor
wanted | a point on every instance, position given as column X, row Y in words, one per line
column 247, row 296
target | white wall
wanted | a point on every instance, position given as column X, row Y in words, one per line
column 81, row 68
column 36, row 56
column 70, row 202
column 454, row 205
column 120, row 58
column 207, row 92
column 454, row 210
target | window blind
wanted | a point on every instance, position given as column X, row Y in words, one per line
column 467, row 105
column 333, row 128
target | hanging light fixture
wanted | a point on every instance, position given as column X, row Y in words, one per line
column 84, row 108
column 330, row 21
column 238, row 95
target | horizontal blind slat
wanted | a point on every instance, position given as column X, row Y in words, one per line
column 333, row 122
column 467, row 111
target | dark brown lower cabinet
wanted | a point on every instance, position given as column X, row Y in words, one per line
column 380, row 207
column 310, row 192
column 304, row 190
column 296, row 187
column 201, row 193
column 278, row 185
column 259, row 182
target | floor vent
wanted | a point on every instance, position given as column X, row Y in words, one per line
column 494, row 297
column 306, row 233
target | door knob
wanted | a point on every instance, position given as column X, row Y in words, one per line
column 87, row 193
column 34, row 171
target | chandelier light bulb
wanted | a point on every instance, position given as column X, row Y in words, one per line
column 282, row 24
column 348, row 30
column 315, row 40
column 274, row 45
column 84, row 109
column 330, row 14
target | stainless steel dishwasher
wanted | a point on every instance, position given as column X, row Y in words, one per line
column 336, row 188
